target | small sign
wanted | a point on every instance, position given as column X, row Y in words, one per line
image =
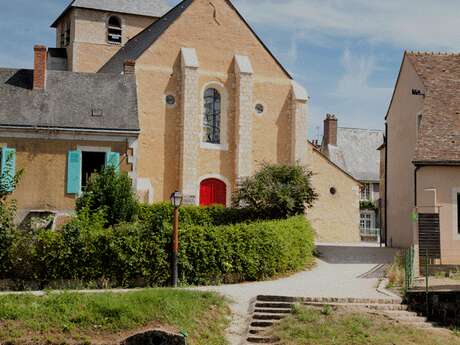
column 189, row 200
column 414, row 217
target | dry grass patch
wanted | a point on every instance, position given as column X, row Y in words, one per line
column 309, row 326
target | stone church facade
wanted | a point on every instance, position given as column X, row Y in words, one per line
column 211, row 102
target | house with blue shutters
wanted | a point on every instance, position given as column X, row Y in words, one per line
column 60, row 127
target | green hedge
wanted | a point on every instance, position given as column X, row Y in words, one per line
column 157, row 214
column 136, row 254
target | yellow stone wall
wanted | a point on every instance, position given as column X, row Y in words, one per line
column 335, row 218
column 89, row 48
column 159, row 73
column 44, row 164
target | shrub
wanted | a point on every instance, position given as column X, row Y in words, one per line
column 7, row 229
column 137, row 254
column 279, row 191
column 111, row 193
column 158, row 214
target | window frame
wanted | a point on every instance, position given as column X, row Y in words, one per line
column 364, row 191
column 110, row 27
column 366, row 217
column 99, row 149
column 223, row 146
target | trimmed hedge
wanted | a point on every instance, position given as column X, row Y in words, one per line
column 137, row 254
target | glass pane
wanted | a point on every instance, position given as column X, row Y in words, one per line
column 211, row 120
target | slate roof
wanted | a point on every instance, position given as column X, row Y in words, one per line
column 68, row 101
column 150, row 8
column 439, row 134
column 134, row 48
column 356, row 152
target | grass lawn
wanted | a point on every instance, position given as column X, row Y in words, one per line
column 330, row 327
column 108, row 318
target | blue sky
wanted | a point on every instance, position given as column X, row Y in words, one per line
column 346, row 53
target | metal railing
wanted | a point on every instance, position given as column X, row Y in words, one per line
column 409, row 267
column 370, row 232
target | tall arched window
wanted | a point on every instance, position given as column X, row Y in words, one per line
column 212, row 118
column 114, row 31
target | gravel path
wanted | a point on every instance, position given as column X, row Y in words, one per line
column 340, row 271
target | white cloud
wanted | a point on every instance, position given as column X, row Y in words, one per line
column 411, row 24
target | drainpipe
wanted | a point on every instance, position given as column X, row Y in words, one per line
column 385, row 216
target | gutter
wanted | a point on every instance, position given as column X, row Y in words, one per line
column 436, row 163
column 127, row 132
column 386, row 186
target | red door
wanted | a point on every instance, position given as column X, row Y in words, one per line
column 213, row 192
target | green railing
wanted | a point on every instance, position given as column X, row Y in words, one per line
column 409, row 267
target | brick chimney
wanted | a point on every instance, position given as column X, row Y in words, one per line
column 330, row 130
column 129, row 67
column 40, row 56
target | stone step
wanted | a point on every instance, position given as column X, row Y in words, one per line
column 287, row 299
column 410, row 318
column 268, row 316
column 395, row 313
column 270, row 298
column 254, row 339
column 361, row 305
column 273, row 311
column 351, row 300
column 418, row 324
column 264, row 323
column 274, row 305
column 257, row 330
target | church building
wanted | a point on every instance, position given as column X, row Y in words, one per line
column 187, row 99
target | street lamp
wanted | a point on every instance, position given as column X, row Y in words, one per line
column 176, row 202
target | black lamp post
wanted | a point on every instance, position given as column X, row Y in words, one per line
column 176, row 202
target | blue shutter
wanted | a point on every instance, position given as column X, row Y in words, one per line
column 8, row 168
column 112, row 159
column 74, row 172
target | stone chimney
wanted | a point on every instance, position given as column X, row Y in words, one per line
column 129, row 67
column 330, row 130
column 40, row 56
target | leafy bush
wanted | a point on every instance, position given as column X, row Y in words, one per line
column 137, row 254
column 279, row 191
column 111, row 193
column 7, row 228
column 158, row 214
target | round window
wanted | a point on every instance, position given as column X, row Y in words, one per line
column 260, row 108
column 333, row 191
column 170, row 100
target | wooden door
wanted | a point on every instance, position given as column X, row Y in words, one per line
column 213, row 192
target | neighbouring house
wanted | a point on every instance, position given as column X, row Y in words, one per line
column 185, row 99
column 60, row 127
column 356, row 151
column 422, row 178
column 335, row 215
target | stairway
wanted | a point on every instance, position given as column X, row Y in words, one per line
column 268, row 310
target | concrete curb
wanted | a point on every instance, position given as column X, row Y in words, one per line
column 381, row 288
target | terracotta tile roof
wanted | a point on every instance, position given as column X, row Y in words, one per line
column 439, row 133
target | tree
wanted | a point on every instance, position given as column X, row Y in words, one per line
column 8, row 179
column 111, row 193
column 277, row 191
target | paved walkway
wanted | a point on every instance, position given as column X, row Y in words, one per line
column 340, row 271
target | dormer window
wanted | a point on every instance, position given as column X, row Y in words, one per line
column 114, row 30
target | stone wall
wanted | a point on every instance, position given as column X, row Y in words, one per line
column 44, row 162
column 334, row 217
column 443, row 307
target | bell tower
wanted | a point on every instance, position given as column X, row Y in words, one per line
column 90, row 32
